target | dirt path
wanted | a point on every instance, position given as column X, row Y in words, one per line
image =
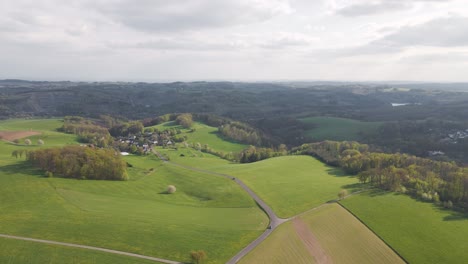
column 311, row 242
column 91, row 248
column 12, row 135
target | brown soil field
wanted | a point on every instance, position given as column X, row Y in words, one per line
column 12, row 135
column 311, row 242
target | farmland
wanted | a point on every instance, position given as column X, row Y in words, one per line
column 328, row 234
column 289, row 184
column 16, row 251
column 292, row 184
column 333, row 128
column 420, row 232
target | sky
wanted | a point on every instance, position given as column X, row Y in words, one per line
column 234, row 40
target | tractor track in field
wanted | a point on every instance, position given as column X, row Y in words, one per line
column 117, row 252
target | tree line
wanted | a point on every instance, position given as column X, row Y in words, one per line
column 79, row 163
column 436, row 181
column 241, row 133
column 87, row 131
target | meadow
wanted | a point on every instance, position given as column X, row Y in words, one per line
column 134, row 216
column 420, row 232
column 289, row 184
column 334, row 128
column 292, row 184
column 328, row 234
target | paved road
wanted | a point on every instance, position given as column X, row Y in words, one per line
column 91, row 248
column 275, row 221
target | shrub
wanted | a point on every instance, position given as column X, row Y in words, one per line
column 171, row 189
column 198, row 256
column 48, row 174
column 342, row 194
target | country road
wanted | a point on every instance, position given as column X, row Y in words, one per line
column 50, row 242
column 275, row 221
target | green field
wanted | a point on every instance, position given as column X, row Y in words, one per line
column 333, row 128
column 282, row 246
column 135, row 216
column 292, row 184
column 420, row 232
column 289, row 184
column 341, row 236
column 16, row 251
column 204, row 134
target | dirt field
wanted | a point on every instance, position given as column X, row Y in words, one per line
column 12, row 135
column 311, row 242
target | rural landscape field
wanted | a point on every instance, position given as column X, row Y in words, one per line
column 208, row 208
column 234, row 132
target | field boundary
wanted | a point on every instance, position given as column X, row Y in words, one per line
column 111, row 251
column 359, row 219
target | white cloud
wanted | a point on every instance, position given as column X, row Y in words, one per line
column 242, row 39
column 355, row 8
column 169, row 16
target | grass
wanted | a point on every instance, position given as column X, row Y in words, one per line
column 343, row 238
column 420, row 232
column 289, row 184
column 333, row 128
column 16, row 251
column 293, row 184
column 135, row 216
column 204, row 134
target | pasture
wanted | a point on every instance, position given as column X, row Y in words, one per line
column 328, row 234
column 334, row 128
column 292, row 184
column 420, row 232
column 289, row 184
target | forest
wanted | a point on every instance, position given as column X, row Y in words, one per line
column 79, row 162
column 444, row 183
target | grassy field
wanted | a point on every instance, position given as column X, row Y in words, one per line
column 204, row 134
column 333, row 128
column 135, row 216
column 289, row 184
column 341, row 236
column 292, row 184
column 420, row 232
column 16, row 251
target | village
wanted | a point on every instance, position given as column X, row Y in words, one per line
column 142, row 143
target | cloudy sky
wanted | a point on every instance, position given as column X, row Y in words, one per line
column 250, row 40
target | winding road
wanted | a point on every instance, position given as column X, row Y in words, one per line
column 275, row 221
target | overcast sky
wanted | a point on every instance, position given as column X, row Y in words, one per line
column 250, row 40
